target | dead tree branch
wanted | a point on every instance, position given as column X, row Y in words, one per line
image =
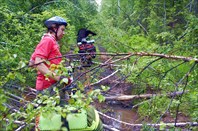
column 137, row 54
column 182, row 124
column 110, row 128
column 18, row 122
column 129, row 74
column 20, row 128
column 166, row 72
column 187, row 59
column 131, row 97
column 141, row 103
column 143, row 27
column 148, row 65
column 98, row 82
column 19, row 98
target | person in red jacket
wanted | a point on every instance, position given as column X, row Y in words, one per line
column 48, row 48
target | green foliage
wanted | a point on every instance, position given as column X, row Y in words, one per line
column 168, row 27
column 154, row 110
column 147, row 128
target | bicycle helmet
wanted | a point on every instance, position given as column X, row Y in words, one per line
column 55, row 20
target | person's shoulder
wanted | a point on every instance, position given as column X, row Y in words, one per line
column 48, row 41
column 49, row 38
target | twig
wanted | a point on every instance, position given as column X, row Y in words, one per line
column 123, row 58
column 165, row 14
column 11, row 107
column 185, row 76
column 166, row 109
column 166, row 72
column 148, row 66
column 21, row 127
column 177, row 109
column 129, row 74
column 143, row 27
column 104, row 78
column 141, row 103
column 17, row 97
column 98, row 66
column 19, row 122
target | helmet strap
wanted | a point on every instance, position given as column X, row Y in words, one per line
column 57, row 27
column 54, row 31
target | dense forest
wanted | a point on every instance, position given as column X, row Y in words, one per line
column 149, row 47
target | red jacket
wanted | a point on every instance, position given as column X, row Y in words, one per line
column 46, row 49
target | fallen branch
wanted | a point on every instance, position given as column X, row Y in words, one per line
column 120, row 54
column 137, row 54
column 19, row 122
column 134, row 106
column 110, row 128
column 181, row 124
column 21, row 99
column 130, row 97
column 148, row 65
column 104, row 78
column 20, row 128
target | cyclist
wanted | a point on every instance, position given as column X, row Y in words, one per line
column 47, row 49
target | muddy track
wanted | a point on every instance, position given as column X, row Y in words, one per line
column 122, row 110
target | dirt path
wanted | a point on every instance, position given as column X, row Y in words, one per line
column 122, row 111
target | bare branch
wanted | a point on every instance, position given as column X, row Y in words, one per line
column 142, row 27
column 131, row 97
column 148, row 66
column 104, row 78
column 110, row 128
column 20, row 128
column 141, row 103
column 19, row 98
column 187, row 59
column 166, row 72
column 182, row 124
column 140, row 54
column 186, row 76
column 19, row 122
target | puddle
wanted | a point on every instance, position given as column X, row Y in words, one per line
column 119, row 113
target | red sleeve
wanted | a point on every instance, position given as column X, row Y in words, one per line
column 44, row 48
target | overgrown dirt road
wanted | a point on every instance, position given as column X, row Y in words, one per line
column 120, row 114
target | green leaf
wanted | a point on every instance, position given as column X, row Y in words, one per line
column 11, row 75
column 22, row 64
column 47, row 62
column 101, row 98
column 20, row 77
column 162, row 126
column 105, row 88
column 64, row 80
column 39, row 101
